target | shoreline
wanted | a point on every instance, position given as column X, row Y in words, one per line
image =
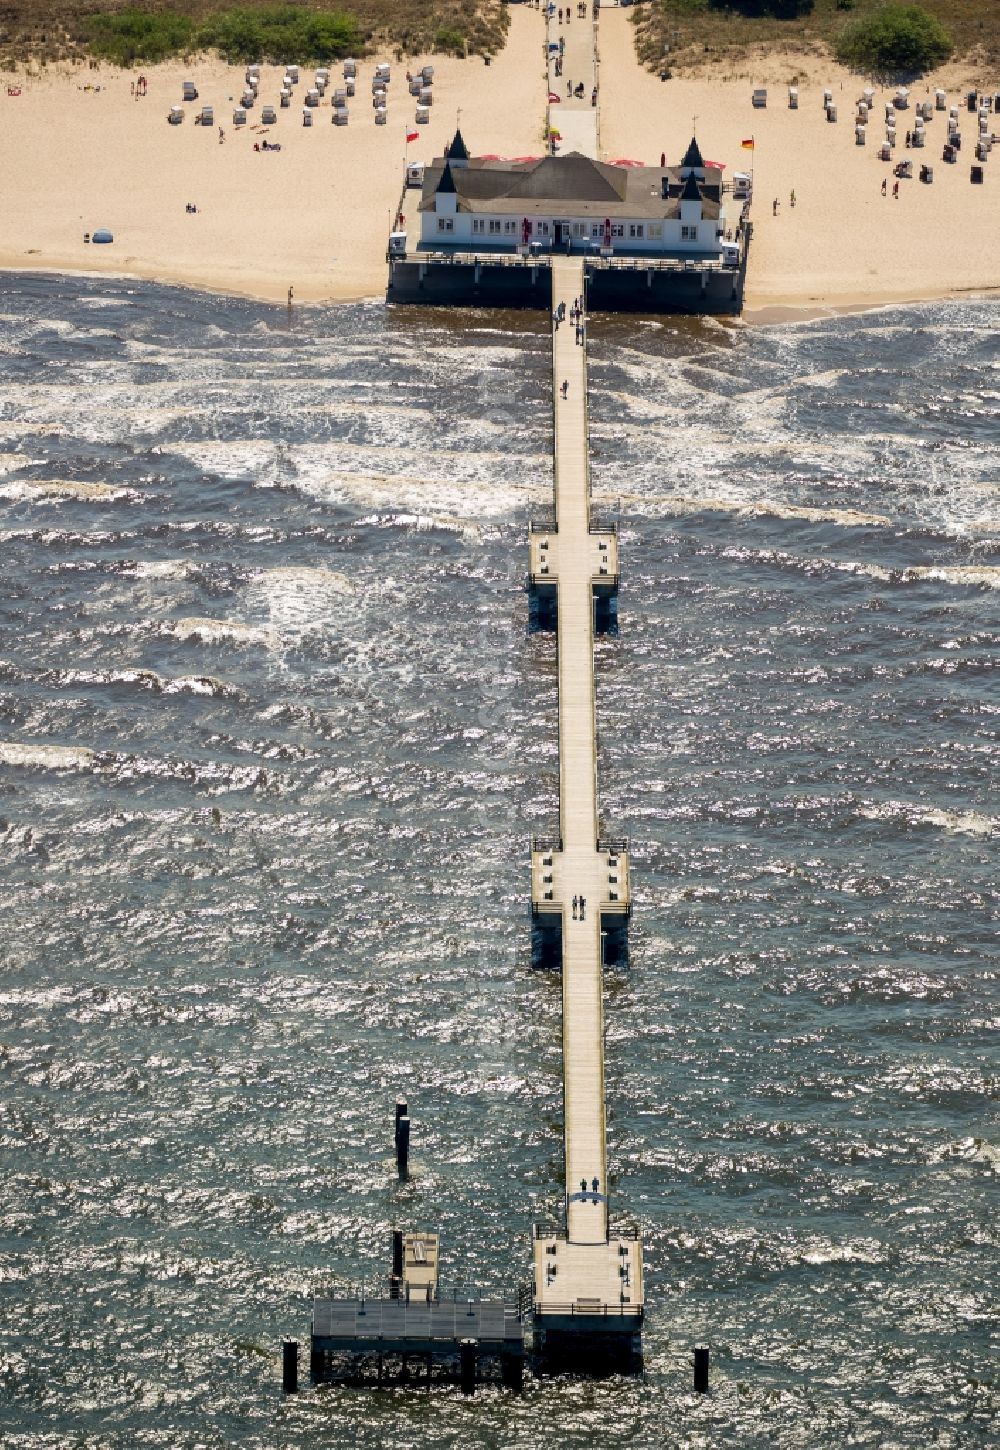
column 764, row 314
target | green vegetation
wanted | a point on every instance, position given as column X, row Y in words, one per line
column 451, row 41
column 280, row 32
column 307, row 31
column 726, row 35
column 132, row 35
column 894, row 40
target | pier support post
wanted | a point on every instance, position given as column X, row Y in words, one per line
column 467, row 1365
column 701, row 1360
column 512, row 1372
column 402, row 1141
column 290, row 1367
column 396, row 1277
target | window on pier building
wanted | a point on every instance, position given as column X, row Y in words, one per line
column 596, row 229
column 654, row 231
column 617, row 229
column 689, row 234
column 446, row 224
column 542, row 228
column 578, row 229
column 636, row 230
column 510, row 226
column 495, row 228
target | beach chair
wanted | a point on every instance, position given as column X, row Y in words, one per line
column 426, row 97
column 293, row 74
column 176, row 115
column 307, row 116
column 759, row 99
column 423, row 115
column 349, row 85
column 340, row 116
column 940, row 100
column 427, row 74
column 381, row 116
column 350, row 69
column 268, row 116
column 312, row 97
column 239, row 116
column 859, row 135
column 189, row 91
column 285, row 99
column 208, row 115
column 793, row 98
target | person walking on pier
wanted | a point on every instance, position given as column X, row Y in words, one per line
column 583, row 908
column 565, row 392
column 574, row 908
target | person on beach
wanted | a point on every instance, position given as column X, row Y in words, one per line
column 792, row 200
column 884, row 185
column 291, row 298
column 565, row 393
column 560, row 14
column 593, row 97
column 222, row 135
column 774, row 207
column 895, row 189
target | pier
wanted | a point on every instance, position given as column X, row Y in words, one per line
column 586, row 1296
column 588, row 1289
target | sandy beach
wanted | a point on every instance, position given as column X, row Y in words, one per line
column 843, row 245
column 316, row 215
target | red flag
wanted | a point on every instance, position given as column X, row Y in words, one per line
column 412, row 136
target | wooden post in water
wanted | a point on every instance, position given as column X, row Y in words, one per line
column 467, row 1363
column 397, row 1263
column 290, row 1367
column 701, row 1361
column 402, row 1140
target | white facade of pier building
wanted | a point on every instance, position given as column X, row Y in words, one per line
column 572, row 203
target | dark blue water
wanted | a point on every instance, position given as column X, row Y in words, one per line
column 274, row 738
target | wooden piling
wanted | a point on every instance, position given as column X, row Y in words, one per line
column 290, row 1367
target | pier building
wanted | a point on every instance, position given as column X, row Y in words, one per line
column 653, row 238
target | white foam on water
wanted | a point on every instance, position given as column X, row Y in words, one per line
column 48, row 757
column 962, row 823
column 663, row 505
column 156, row 569
column 298, row 601
column 52, row 490
column 983, row 576
column 10, row 461
column 216, row 631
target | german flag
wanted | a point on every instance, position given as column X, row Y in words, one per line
column 747, row 144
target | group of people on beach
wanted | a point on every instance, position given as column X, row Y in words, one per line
column 139, row 88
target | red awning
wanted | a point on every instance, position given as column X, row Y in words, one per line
column 553, row 98
column 716, row 165
column 624, row 161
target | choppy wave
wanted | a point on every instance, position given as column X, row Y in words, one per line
column 276, row 738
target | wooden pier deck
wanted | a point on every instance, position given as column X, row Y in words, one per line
column 585, row 1281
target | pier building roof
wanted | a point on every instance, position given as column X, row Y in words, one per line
column 573, row 184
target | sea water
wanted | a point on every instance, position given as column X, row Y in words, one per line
column 275, row 736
